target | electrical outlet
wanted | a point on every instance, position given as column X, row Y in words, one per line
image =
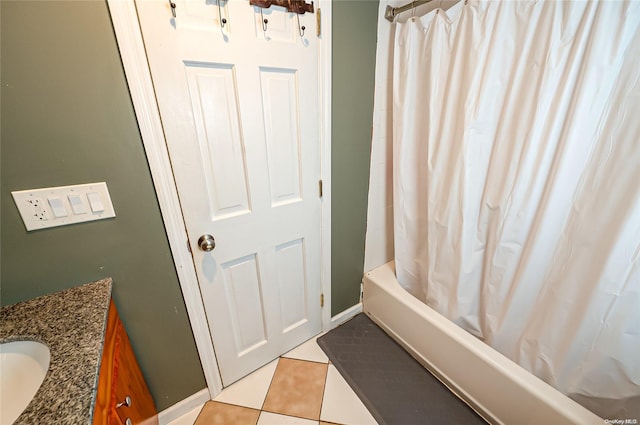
column 38, row 209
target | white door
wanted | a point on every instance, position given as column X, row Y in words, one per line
column 239, row 106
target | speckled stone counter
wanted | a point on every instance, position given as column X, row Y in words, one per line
column 72, row 324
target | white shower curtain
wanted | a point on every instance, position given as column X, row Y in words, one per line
column 516, row 165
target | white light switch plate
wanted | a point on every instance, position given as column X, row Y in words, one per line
column 35, row 205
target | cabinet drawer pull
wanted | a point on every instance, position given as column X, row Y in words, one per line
column 125, row 403
column 128, row 422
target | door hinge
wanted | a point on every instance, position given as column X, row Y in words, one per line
column 321, row 300
column 318, row 22
column 320, row 187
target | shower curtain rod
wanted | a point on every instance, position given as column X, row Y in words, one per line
column 391, row 12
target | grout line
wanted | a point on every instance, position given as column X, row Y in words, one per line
column 305, row 360
column 232, row 404
column 324, row 390
column 264, row 400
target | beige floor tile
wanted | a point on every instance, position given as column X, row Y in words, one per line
column 188, row 418
column 340, row 404
column 215, row 413
column 309, row 350
column 251, row 390
column 297, row 388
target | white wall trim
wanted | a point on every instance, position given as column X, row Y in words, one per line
column 183, row 407
column 134, row 60
column 345, row 315
column 325, row 157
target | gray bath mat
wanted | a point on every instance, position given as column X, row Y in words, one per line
column 396, row 389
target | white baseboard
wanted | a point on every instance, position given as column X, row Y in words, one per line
column 183, row 407
column 345, row 315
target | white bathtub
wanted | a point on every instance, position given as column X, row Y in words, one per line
column 494, row 386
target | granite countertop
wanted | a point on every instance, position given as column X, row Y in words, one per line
column 72, row 324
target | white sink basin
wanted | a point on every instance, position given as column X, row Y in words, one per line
column 23, row 366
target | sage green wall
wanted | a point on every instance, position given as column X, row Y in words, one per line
column 67, row 118
column 353, row 61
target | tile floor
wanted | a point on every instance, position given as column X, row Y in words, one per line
column 299, row 388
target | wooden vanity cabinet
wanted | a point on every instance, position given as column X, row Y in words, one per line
column 121, row 381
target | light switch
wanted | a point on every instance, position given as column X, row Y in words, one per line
column 77, row 205
column 95, row 201
column 57, row 206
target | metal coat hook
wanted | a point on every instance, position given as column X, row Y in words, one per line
column 265, row 21
column 173, row 8
column 300, row 28
column 223, row 21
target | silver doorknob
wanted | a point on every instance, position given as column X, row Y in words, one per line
column 206, row 243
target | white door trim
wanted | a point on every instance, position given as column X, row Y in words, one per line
column 134, row 59
column 324, row 80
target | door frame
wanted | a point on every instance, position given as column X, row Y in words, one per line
column 134, row 59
